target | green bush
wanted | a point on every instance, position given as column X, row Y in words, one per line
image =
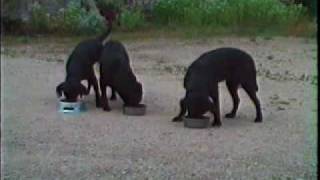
column 228, row 13
column 132, row 19
column 76, row 19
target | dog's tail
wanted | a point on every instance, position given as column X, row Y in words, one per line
column 105, row 37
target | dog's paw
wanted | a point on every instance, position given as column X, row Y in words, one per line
column 176, row 119
column 98, row 105
column 230, row 115
column 258, row 120
column 106, row 108
column 113, row 98
column 216, row 124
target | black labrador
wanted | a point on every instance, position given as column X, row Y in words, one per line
column 80, row 67
column 115, row 72
column 234, row 66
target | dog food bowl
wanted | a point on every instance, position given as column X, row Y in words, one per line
column 138, row 110
column 196, row 122
column 71, row 107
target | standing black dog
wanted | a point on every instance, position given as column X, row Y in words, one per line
column 80, row 67
column 115, row 71
column 202, row 78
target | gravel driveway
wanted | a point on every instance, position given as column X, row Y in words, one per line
column 40, row 143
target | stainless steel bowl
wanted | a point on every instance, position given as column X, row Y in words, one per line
column 138, row 110
column 196, row 122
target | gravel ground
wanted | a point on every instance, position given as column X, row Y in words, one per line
column 40, row 143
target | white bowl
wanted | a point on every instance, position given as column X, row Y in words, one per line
column 71, row 107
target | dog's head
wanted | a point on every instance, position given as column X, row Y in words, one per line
column 135, row 94
column 197, row 105
column 71, row 90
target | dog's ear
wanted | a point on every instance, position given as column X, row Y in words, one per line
column 59, row 89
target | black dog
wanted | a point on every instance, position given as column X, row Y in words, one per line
column 202, row 78
column 115, row 72
column 80, row 67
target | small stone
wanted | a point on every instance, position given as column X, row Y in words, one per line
column 270, row 57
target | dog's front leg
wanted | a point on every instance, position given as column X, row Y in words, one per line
column 183, row 110
column 113, row 95
column 215, row 107
column 94, row 82
column 89, row 87
column 104, row 99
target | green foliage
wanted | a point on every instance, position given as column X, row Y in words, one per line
column 201, row 17
column 228, row 13
column 132, row 19
column 76, row 19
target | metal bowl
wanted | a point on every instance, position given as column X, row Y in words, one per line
column 71, row 107
column 138, row 110
column 196, row 122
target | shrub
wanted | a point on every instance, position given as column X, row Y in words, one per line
column 132, row 19
column 74, row 19
column 77, row 20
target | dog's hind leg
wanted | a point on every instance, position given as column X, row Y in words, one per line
column 233, row 90
column 113, row 95
column 215, row 109
column 251, row 90
column 183, row 110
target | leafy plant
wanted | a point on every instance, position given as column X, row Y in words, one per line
column 75, row 19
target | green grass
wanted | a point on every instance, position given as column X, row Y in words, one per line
column 210, row 17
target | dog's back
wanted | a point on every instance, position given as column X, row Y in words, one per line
column 82, row 58
column 113, row 57
column 222, row 64
column 86, row 52
column 234, row 66
column 116, row 72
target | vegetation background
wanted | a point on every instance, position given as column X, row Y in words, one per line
column 188, row 17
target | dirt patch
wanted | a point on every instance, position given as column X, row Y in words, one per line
column 38, row 142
